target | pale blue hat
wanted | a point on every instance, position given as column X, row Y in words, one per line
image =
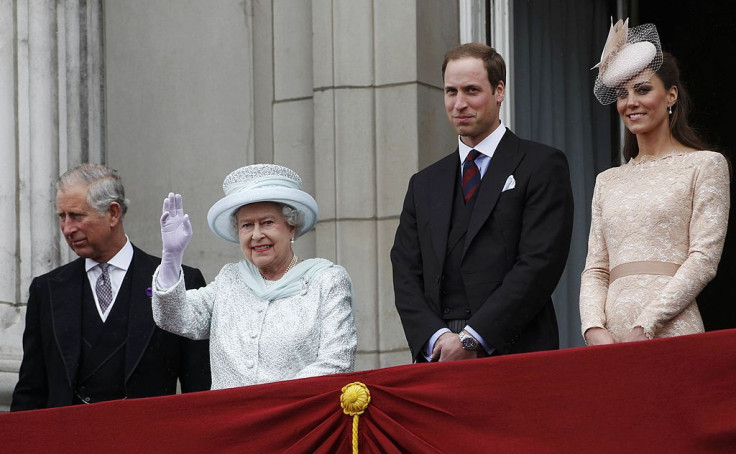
column 261, row 183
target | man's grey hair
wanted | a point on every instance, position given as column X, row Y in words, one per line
column 294, row 217
column 104, row 186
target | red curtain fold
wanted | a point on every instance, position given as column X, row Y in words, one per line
column 668, row 395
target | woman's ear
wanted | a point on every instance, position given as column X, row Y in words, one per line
column 672, row 95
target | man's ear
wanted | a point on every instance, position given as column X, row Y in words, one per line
column 500, row 91
column 116, row 213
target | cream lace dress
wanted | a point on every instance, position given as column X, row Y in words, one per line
column 672, row 208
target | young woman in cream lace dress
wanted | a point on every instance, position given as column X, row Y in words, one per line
column 658, row 222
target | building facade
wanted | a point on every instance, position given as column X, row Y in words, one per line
column 348, row 93
column 177, row 94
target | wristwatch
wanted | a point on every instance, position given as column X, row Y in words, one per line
column 468, row 342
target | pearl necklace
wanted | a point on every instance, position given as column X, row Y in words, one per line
column 294, row 259
column 293, row 262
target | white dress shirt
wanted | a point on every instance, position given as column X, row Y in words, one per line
column 487, row 147
column 118, row 267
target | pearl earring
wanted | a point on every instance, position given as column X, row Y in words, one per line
column 669, row 109
column 292, row 240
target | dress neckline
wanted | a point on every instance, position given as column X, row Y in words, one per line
column 641, row 159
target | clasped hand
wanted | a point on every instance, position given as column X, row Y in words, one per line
column 600, row 336
column 449, row 348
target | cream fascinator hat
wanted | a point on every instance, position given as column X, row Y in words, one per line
column 261, row 183
column 628, row 52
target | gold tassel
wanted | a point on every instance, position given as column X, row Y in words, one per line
column 354, row 401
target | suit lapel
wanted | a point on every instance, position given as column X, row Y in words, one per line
column 65, row 301
column 504, row 162
column 441, row 191
column 140, row 317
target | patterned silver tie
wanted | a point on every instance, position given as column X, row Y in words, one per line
column 104, row 288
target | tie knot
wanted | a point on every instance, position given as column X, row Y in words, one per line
column 472, row 155
column 104, row 267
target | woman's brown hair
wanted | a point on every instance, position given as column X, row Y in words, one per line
column 681, row 130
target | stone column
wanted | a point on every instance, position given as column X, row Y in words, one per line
column 45, row 127
column 293, row 106
column 9, row 313
column 379, row 117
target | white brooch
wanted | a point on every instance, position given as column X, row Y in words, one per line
column 305, row 285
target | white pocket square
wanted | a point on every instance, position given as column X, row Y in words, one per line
column 510, row 183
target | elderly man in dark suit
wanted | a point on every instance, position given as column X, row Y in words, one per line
column 89, row 334
column 484, row 232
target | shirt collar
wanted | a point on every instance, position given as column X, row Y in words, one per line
column 487, row 146
column 121, row 260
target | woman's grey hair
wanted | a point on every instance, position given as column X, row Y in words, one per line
column 294, row 217
column 104, row 186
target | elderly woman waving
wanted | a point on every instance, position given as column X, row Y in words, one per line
column 272, row 316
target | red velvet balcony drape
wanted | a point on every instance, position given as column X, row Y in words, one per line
column 671, row 395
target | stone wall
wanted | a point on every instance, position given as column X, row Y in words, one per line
column 347, row 93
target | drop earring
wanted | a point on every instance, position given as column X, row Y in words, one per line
column 292, row 240
column 669, row 109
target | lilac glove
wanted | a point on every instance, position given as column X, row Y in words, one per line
column 176, row 231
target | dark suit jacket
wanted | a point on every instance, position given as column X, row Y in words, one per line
column 515, row 250
column 154, row 358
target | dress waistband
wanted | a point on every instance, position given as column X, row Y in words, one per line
column 627, row 269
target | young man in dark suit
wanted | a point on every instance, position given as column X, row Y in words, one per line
column 484, row 232
column 89, row 334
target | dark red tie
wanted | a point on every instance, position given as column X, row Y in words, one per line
column 471, row 175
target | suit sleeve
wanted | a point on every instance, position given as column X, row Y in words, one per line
column 31, row 391
column 420, row 322
column 195, row 374
column 544, row 243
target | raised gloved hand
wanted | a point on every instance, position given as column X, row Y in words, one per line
column 176, row 231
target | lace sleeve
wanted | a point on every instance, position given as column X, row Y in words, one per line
column 594, row 279
column 707, row 233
